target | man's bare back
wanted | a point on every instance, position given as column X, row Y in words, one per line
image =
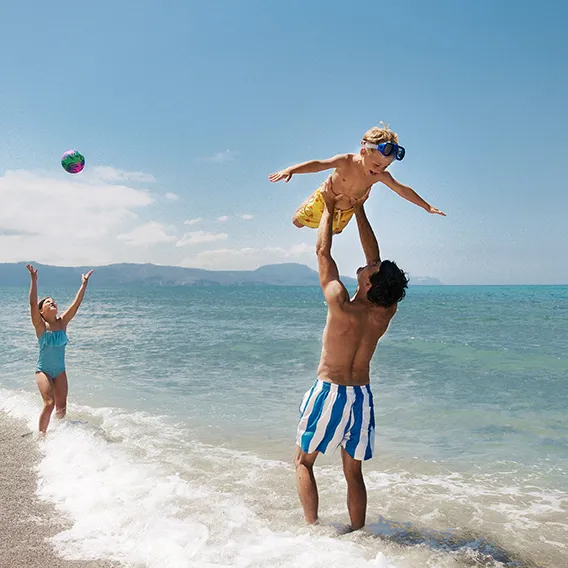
column 349, row 341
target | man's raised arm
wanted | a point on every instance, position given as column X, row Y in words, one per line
column 368, row 239
column 333, row 289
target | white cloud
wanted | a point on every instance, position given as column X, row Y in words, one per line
column 69, row 208
column 63, row 219
column 171, row 196
column 151, row 233
column 200, row 237
column 300, row 250
column 221, row 157
column 223, row 218
column 75, row 220
column 248, row 258
column 247, row 217
column 110, row 174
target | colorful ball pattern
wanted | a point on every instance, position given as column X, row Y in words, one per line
column 73, row 161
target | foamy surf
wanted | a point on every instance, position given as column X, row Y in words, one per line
column 123, row 505
column 138, row 489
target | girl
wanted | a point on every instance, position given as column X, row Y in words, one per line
column 52, row 338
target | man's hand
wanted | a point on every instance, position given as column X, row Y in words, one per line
column 435, row 211
column 281, row 175
column 358, row 203
column 33, row 273
column 85, row 277
column 329, row 197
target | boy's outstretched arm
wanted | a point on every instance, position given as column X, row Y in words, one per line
column 309, row 168
column 366, row 234
column 409, row 194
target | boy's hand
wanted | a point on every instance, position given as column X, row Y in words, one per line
column 281, row 175
column 435, row 211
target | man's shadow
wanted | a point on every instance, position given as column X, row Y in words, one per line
column 477, row 548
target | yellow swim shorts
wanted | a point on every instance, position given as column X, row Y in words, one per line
column 310, row 212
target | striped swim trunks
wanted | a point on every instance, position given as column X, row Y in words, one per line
column 337, row 415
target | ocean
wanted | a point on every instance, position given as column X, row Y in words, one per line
column 178, row 446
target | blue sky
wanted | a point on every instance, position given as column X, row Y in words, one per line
column 183, row 108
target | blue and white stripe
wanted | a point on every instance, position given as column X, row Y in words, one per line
column 337, row 415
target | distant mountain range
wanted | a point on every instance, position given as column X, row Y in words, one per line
column 424, row 281
column 288, row 274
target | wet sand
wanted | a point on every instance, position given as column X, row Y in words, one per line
column 26, row 523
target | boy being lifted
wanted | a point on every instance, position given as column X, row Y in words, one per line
column 352, row 177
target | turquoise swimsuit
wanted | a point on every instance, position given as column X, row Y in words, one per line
column 51, row 360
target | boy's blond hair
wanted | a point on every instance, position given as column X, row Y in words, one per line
column 378, row 134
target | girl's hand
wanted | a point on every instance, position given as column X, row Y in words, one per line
column 33, row 273
column 282, row 174
column 85, row 277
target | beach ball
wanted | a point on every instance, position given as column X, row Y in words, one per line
column 72, row 161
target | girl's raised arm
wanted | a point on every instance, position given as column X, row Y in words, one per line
column 70, row 312
column 37, row 320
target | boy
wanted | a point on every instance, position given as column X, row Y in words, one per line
column 353, row 177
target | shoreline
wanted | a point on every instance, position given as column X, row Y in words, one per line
column 26, row 523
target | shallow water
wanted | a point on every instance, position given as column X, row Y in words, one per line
column 177, row 449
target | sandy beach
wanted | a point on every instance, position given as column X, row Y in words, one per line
column 26, row 523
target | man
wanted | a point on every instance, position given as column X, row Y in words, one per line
column 338, row 409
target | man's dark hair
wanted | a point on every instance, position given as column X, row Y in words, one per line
column 388, row 285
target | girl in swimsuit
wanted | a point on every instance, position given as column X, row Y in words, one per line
column 52, row 338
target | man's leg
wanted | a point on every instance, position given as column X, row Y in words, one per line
column 307, row 488
column 356, row 492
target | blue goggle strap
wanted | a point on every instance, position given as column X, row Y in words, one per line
column 382, row 145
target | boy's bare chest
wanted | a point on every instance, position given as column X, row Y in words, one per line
column 352, row 184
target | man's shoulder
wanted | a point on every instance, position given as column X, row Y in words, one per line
column 383, row 315
column 386, row 311
column 336, row 293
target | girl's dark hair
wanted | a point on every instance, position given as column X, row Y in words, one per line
column 388, row 285
column 41, row 302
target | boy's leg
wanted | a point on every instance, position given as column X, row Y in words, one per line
column 356, row 491
column 301, row 213
column 296, row 222
column 307, row 488
column 310, row 212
